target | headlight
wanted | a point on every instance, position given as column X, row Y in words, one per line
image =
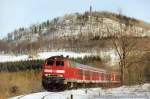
column 60, row 75
column 52, row 75
column 46, row 74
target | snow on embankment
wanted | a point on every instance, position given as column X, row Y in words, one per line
column 76, row 94
column 124, row 92
column 42, row 55
column 11, row 58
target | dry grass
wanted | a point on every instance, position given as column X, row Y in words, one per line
column 17, row 83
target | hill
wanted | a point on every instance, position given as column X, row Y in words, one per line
column 74, row 31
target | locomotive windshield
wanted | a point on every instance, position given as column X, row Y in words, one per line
column 55, row 63
column 59, row 63
column 50, row 62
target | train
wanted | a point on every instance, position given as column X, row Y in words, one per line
column 60, row 73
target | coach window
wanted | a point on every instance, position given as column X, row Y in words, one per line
column 50, row 62
column 59, row 63
column 102, row 76
column 80, row 72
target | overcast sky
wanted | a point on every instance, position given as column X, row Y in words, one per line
column 23, row 13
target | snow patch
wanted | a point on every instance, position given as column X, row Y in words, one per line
column 123, row 92
column 41, row 55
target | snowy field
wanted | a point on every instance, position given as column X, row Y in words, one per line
column 42, row 55
column 124, row 92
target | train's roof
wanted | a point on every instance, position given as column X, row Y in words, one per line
column 57, row 57
column 89, row 67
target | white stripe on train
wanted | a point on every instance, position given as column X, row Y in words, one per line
column 54, row 71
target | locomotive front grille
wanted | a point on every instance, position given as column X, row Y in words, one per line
column 52, row 79
column 53, row 75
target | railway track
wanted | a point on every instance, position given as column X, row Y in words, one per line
column 40, row 97
column 30, row 95
column 47, row 95
column 21, row 96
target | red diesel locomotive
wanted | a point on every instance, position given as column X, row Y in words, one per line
column 60, row 73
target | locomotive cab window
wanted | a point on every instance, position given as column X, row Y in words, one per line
column 59, row 63
column 50, row 62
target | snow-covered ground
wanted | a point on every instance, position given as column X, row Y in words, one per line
column 104, row 54
column 42, row 55
column 7, row 57
column 124, row 92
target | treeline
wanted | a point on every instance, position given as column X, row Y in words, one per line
column 20, row 65
column 86, row 59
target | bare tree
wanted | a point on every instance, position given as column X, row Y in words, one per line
column 124, row 45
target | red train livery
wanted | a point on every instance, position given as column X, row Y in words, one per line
column 60, row 73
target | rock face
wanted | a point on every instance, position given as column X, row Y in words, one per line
column 95, row 24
